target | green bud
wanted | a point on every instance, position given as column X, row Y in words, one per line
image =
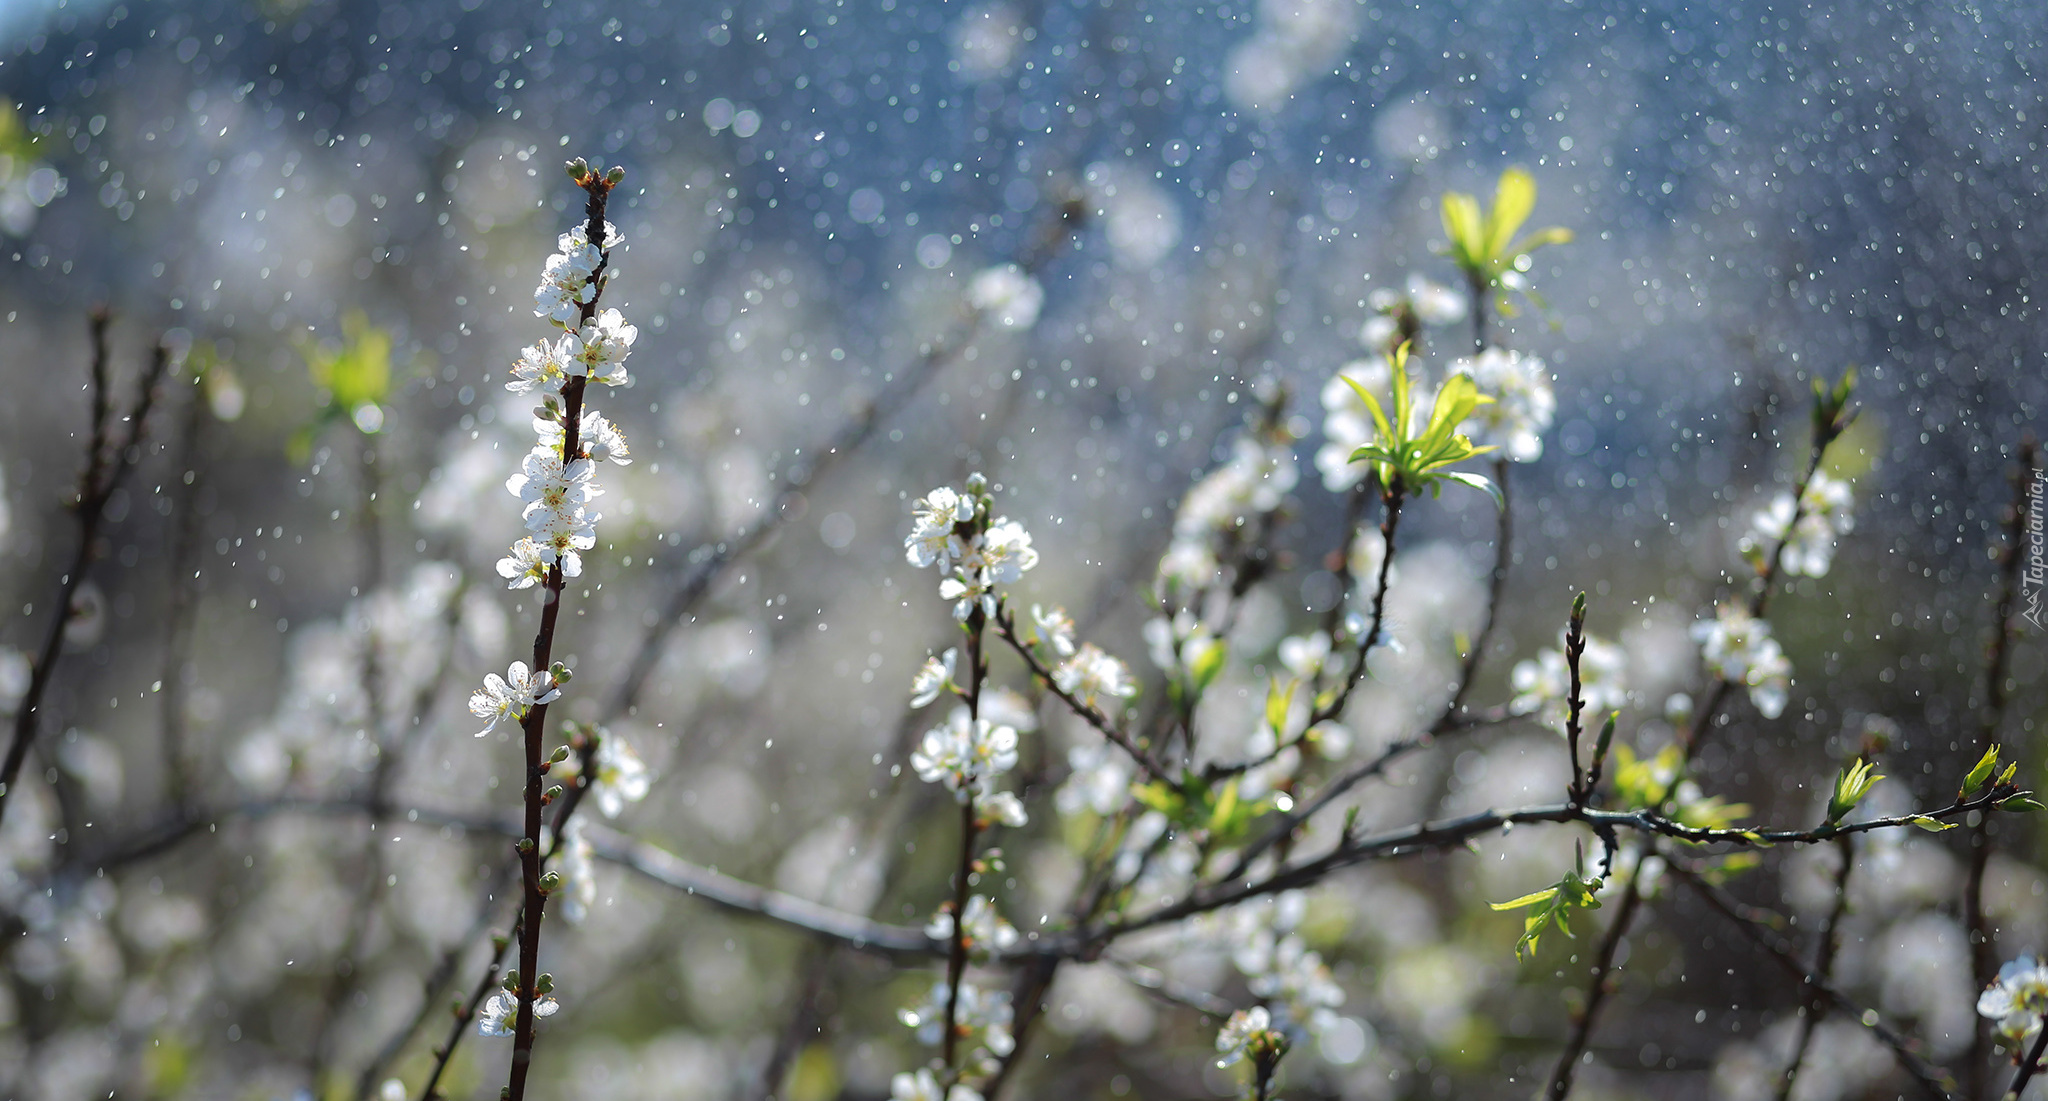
column 616, row 176
column 1979, row 773
column 550, row 883
column 561, row 754
column 553, row 793
column 511, row 980
column 579, row 170
column 561, row 673
column 546, row 985
column 525, row 845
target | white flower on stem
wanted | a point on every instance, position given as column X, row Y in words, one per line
column 1543, row 685
column 1434, row 303
column 597, row 438
column 1234, row 1039
column 621, row 777
column 567, row 278
column 1009, row 296
column 524, row 567
column 1304, row 655
column 1091, row 674
column 1824, row 512
column 934, row 677
column 921, row 1085
column 969, row 589
column 500, row 1012
column 511, row 696
column 1522, row 407
column 2017, row 999
column 983, row 1015
column 1738, row 647
column 932, row 540
column 578, row 891
column 599, row 349
column 1002, row 808
column 1055, row 628
column 563, row 535
column 1004, row 552
column 965, row 753
column 548, row 487
column 986, row 931
column 539, row 366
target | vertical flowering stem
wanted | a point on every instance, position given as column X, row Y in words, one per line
column 596, row 187
column 956, row 956
column 1391, row 500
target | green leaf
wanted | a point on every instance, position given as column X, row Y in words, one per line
column 1854, row 782
column 1932, row 825
column 1160, row 796
column 1464, row 226
column 1531, row 899
column 1482, row 482
column 1514, row 197
column 1981, row 771
column 1277, row 704
column 1207, row 664
column 1372, row 405
column 2020, row 804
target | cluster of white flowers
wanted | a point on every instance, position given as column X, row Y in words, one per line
column 1431, row 303
column 1522, row 407
column 1007, row 295
column 967, row 755
column 1738, row 646
column 986, row 932
column 1244, row 1028
column 1091, row 674
column 1809, row 526
column 1301, row 995
column 981, row 1021
column 501, row 1010
column 1221, row 507
column 951, row 530
column 618, row 776
column 1543, row 684
column 2018, row 999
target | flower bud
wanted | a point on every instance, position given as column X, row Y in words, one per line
column 550, row 883
column 616, row 176
column 546, row 985
column 579, row 170
column 511, row 980
column 561, row 673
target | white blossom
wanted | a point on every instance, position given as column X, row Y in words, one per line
column 1005, row 552
column 964, row 754
column 1008, row 295
column 921, row 1085
column 500, row 1012
column 935, row 676
column 1003, row 808
column 524, row 567
column 1824, row 511
column 567, row 282
column 1091, row 674
column 2017, row 999
column 1234, row 1039
column 578, row 891
column 621, row 777
column 984, row 1015
column 597, row 438
column 599, row 349
column 986, row 931
column 932, row 540
column 1055, row 628
column 539, row 366
column 1523, row 403
column 1739, row 647
column 510, row 696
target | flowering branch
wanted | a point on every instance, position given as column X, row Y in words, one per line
column 108, row 461
column 1823, row 969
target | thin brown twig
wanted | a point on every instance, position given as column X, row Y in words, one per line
column 108, row 462
column 1938, row 1082
column 1816, row 1006
column 1997, row 663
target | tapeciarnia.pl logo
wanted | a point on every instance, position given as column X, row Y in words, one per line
column 2035, row 574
